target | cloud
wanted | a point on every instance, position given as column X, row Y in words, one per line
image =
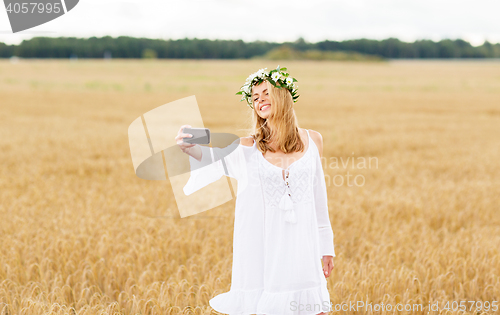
column 278, row 21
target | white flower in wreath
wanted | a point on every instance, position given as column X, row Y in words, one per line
column 276, row 76
column 247, row 89
column 289, row 81
column 259, row 74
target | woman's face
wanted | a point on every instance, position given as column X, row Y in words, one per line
column 261, row 100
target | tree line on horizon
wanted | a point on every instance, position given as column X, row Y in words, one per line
column 131, row 47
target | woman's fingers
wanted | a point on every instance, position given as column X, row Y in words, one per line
column 179, row 139
column 181, row 135
column 180, row 130
column 327, row 265
column 182, row 127
column 330, row 267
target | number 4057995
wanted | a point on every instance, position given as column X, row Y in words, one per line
column 34, row 7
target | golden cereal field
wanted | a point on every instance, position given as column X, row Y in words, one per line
column 80, row 233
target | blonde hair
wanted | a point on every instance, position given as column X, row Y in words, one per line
column 285, row 134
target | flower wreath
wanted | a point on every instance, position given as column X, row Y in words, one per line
column 277, row 77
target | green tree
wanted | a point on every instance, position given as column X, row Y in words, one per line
column 149, row 53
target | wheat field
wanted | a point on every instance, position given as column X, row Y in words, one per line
column 82, row 234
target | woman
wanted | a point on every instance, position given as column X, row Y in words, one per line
column 282, row 227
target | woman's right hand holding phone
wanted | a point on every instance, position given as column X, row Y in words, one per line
column 188, row 148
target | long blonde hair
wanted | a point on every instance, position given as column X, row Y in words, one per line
column 285, row 134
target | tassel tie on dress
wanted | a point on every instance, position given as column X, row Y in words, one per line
column 286, row 203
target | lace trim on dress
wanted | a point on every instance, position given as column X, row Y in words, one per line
column 296, row 188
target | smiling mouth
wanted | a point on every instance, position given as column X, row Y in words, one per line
column 265, row 106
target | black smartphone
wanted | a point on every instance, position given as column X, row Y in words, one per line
column 200, row 135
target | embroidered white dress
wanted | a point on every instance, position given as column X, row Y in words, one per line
column 281, row 231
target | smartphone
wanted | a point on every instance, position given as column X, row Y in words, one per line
column 200, row 135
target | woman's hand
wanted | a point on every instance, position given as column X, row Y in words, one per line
column 185, row 147
column 327, row 265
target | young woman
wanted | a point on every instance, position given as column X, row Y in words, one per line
column 282, row 228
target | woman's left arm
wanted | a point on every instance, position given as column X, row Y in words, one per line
column 327, row 250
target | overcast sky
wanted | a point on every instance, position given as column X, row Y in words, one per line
column 277, row 21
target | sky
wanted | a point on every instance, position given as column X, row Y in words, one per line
column 274, row 21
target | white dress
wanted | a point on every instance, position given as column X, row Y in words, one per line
column 281, row 231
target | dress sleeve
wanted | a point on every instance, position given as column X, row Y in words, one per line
column 214, row 163
column 321, row 203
